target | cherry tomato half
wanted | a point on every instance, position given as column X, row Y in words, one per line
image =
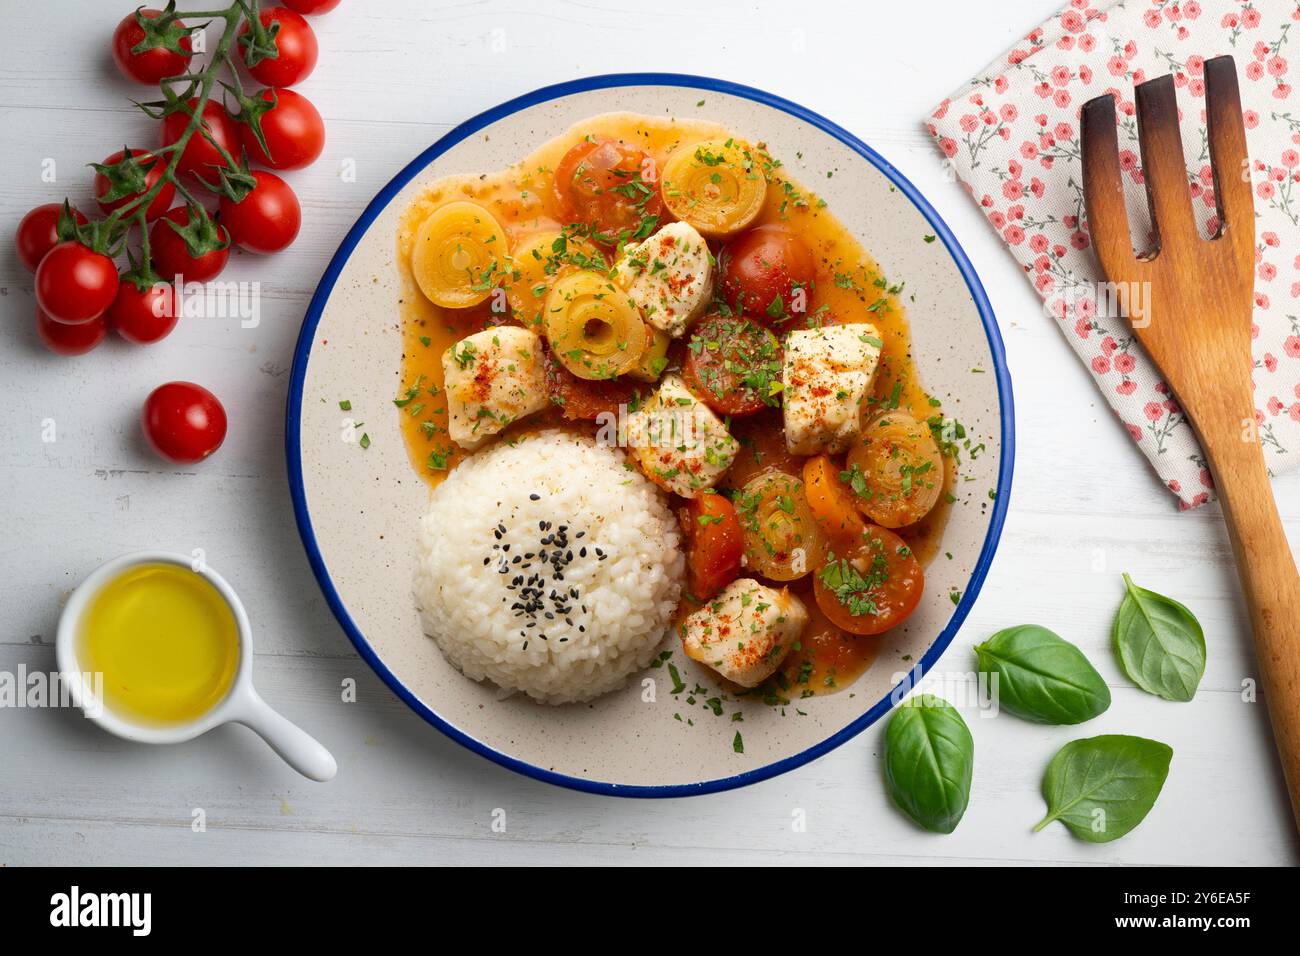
column 171, row 257
column 199, row 156
column 764, row 265
column 582, row 399
column 311, row 8
column 734, row 366
column 154, row 167
column 872, row 586
column 143, row 317
column 63, row 339
column 715, row 544
column 149, row 66
column 38, row 233
column 610, row 187
column 183, row 422
column 296, row 42
column 75, row 284
column 293, row 129
column 267, row 219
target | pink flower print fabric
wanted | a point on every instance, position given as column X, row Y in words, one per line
column 1012, row 137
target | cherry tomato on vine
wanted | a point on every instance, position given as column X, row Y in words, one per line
column 183, row 422
column 63, row 339
column 200, row 156
column 267, row 219
column 608, row 186
column 763, row 265
column 171, row 257
column 293, row 129
column 154, row 169
column 143, row 317
column 311, row 8
column 38, row 233
column 296, row 42
column 75, row 284
column 149, row 66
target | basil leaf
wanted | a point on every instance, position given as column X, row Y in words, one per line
column 1042, row 677
column 929, row 759
column 1159, row 642
column 1102, row 787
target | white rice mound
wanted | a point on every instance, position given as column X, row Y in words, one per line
column 502, row 611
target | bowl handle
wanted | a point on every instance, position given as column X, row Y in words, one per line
column 299, row 749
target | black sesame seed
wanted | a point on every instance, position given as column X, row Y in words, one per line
column 534, row 497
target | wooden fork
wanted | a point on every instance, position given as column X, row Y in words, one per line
column 1190, row 305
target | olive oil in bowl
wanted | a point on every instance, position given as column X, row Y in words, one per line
column 165, row 641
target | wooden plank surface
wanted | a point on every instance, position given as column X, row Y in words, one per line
column 392, row 77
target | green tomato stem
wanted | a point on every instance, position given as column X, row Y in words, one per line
column 221, row 59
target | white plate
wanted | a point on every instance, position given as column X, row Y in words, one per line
column 357, row 510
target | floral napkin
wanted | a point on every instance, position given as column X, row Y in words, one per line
column 1012, row 138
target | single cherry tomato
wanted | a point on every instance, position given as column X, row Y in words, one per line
column 64, row 339
column 267, row 219
column 75, row 284
column 153, row 167
column 613, row 189
column 581, row 399
column 143, row 317
column 296, row 42
column 714, row 544
column 148, row 66
column 294, row 132
column 734, row 366
column 183, row 422
column 311, row 8
column 767, row 272
column 873, row 586
column 171, row 257
column 200, row 158
column 38, row 233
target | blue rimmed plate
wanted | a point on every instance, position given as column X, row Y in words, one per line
column 357, row 510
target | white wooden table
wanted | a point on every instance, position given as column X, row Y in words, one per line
column 393, row 76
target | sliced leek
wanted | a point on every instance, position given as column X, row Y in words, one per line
column 654, row 359
column 533, row 268
column 594, row 328
column 783, row 540
column 717, row 186
column 459, row 254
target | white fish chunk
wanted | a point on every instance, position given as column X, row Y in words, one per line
column 669, row 276
column 746, row 631
column 493, row 378
column 678, row 441
column 826, row 380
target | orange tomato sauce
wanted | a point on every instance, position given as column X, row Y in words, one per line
column 849, row 286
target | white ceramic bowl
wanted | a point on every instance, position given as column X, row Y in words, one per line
column 357, row 510
column 241, row 705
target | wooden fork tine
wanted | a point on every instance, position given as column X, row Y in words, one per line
column 1103, row 190
column 1163, row 165
column 1228, row 158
